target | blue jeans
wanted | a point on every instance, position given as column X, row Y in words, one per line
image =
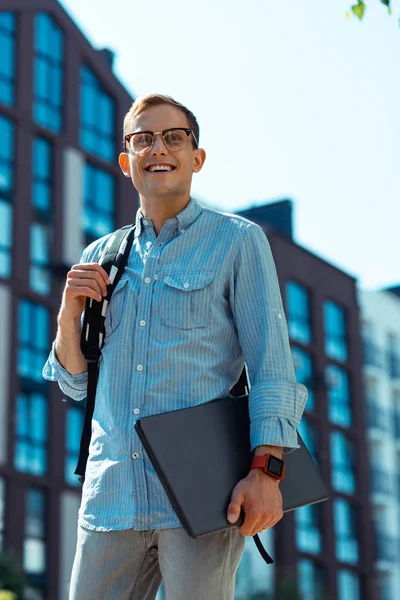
column 130, row 564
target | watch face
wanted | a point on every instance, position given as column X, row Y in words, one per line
column 275, row 466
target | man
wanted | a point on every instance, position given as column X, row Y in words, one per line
column 198, row 298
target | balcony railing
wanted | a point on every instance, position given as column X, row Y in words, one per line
column 378, row 418
column 397, row 426
column 372, row 354
column 382, row 482
column 386, row 547
column 393, row 364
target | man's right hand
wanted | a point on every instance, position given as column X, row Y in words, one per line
column 86, row 280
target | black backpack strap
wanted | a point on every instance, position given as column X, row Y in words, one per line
column 113, row 260
column 241, row 388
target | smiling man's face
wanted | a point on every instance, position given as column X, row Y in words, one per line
column 162, row 173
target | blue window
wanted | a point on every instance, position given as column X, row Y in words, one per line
column 311, row 581
column 393, row 356
column 308, row 529
column 309, row 436
column 386, row 544
column 335, row 331
column 98, row 204
column 2, row 511
column 7, row 53
column 31, row 433
column 74, row 425
column 6, row 194
column 39, row 275
column 343, row 463
column 97, row 134
column 348, row 584
column 35, row 543
column 33, row 337
column 42, row 177
column 49, row 50
column 338, row 395
column 298, row 312
column 304, row 373
column 346, row 532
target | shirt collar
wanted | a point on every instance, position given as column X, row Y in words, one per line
column 183, row 220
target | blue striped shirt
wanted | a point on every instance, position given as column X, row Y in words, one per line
column 193, row 304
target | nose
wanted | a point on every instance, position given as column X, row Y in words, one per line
column 159, row 147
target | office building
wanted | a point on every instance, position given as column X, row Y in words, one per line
column 61, row 113
column 327, row 550
column 380, row 314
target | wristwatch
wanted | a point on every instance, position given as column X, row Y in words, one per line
column 271, row 465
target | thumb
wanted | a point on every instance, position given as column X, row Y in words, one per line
column 234, row 508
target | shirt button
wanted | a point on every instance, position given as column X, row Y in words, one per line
column 279, row 316
column 186, row 285
column 147, row 280
column 140, row 367
column 142, row 323
column 183, row 230
column 136, row 411
column 148, row 244
column 145, row 222
column 135, row 455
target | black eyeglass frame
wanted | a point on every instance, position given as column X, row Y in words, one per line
column 187, row 130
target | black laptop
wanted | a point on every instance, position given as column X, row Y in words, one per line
column 201, row 453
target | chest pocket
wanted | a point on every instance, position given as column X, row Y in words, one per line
column 116, row 307
column 186, row 300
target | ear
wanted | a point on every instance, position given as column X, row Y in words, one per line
column 123, row 160
column 198, row 159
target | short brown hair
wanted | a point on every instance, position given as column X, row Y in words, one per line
column 143, row 103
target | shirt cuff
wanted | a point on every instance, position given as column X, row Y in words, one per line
column 74, row 386
column 276, row 408
column 274, row 431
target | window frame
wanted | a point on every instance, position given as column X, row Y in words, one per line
column 7, row 161
column 28, row 439
column 338, row 339
column 52, row 69
column 93, row 91
column 37, row 581
column 297, row 318
column 5, row 80
column 92, row 200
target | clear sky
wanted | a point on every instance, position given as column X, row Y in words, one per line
column 293, row 100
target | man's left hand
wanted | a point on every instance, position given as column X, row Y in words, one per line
column 259, row 496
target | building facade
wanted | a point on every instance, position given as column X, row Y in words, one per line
column 326, row 551
column 61, row 113
column 380, row 311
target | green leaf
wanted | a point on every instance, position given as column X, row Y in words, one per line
column 386, row 3
column 358, row 9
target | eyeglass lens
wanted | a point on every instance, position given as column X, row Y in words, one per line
column 174, row 139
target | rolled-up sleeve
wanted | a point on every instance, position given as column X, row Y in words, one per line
column 74, row 386
column 276, row 400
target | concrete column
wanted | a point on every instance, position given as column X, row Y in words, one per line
column 73, row 242
column 69, row 506
column 5, row 341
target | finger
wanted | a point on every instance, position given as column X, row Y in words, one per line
column 87, row 292
column 234, row 507
column 85, row 283
column 93, row 266
column 88, row 274
column 250, row 525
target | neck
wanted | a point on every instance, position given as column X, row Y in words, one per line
column 159, row 210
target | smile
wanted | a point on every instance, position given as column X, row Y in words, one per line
column 159, row 168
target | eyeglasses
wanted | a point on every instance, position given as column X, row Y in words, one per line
column 142, row 142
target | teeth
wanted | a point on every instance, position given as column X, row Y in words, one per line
column 159, row 168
